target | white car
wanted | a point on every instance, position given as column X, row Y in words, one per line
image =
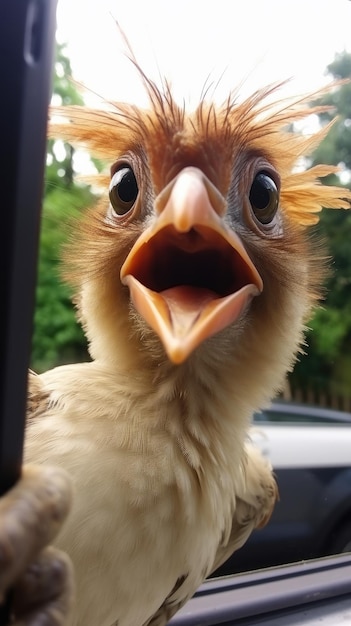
column 310, row 450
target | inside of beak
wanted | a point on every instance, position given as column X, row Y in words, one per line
column 190, row 285
column 200, row 259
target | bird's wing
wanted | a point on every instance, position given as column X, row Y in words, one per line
column 171, row 605
column 254, row 505
column 37, row 396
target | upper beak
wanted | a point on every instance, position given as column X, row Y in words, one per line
column 189, row 275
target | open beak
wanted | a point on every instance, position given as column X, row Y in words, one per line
column 189, row 276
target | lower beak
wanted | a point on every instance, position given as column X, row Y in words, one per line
column 189, row 276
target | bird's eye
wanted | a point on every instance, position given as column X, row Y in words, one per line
column 264, row 198
column 123, row 190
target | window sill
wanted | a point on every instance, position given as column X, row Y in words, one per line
column 305, row 593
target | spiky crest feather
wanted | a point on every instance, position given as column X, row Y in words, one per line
column 257, row 124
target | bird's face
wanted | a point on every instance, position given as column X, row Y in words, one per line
column 197, row 262
column 197, row 240
column 189, row 273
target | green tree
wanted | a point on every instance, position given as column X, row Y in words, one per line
column 57, row 338
column 328, row 360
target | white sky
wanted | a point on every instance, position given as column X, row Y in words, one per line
column 260, row 41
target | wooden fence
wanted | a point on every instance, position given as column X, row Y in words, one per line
column 317, row 397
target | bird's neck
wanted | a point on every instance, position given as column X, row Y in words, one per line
column 194, row 404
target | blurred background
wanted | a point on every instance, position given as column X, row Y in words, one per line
column 220, row 45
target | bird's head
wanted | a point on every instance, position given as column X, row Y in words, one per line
column 200, row 243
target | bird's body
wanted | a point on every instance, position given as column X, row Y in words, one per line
column 194, row 283
column 146, row 515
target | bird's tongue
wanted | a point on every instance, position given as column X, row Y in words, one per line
column 185, row 316
column 185, row 306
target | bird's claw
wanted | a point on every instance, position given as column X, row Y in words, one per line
column 36, row 581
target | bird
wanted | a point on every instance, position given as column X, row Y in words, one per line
column 194, row 277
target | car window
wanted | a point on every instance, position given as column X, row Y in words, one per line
column 286, row 417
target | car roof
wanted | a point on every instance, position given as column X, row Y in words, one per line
column 311, row 412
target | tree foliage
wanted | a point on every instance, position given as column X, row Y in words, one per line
column 328, row 361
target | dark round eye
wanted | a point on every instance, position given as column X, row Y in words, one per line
column 123, row 190
column 264, row 198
